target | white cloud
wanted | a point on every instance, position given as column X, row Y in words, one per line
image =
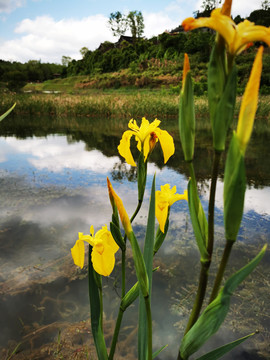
column 254, row 199
column 6, row 6
column 157, row 23
column 54, row 154
column 48, row 40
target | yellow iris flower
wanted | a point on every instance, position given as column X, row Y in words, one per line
column 165, row 197
column 104, row 248
column 237, row 37
column 146, row 136
column 249, row 102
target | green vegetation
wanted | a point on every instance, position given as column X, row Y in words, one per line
column 125, row 104
column 154, row 63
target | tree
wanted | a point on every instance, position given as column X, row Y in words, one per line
column 15, row 80
column 134, row 21
column 66, row 60
column 265, row 5
column 84, row 50
column 118, row 23
column 207, row 7
column 136, row 24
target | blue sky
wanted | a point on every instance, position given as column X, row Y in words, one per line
column 46, row 30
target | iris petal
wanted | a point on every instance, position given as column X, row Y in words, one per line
column 238, row 37
column 166, row 143
column 77, row 253
column 165, row 197
column 124, row 147
column 103, row 263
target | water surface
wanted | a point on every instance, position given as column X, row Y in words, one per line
column 53, row 184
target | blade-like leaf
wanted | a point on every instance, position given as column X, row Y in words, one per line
column 7, row 112
column 156, row 353
column 148, row 258
column 95, row 312
column 199, row 222
column 215, row 313
column 130, row 296
column 225, row 111
column 222, row 350
column 116, row 233
column 234, row 189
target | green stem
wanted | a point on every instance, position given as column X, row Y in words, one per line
column 221, row 269
column 199, row 296
column 193, row 180
column 149, row 326
column 101, row 307
column 123, row 291
column 136, row 211
column 116, row 332
column 123, row 266
column 203, row 279
column 211, row 207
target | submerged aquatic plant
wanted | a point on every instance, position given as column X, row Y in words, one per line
column 203, row 322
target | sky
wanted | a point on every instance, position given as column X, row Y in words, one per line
column 46, row 30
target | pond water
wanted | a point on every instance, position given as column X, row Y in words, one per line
column 53, row 184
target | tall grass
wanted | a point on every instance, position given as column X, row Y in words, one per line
column 133, row 104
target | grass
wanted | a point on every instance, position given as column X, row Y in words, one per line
column 122, row 103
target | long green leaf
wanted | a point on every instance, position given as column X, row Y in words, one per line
column 222, row 350
column 199, row 222
column 225, row 111
column 95, row 311
column 7, row 112
column 215, row 313
column 234, row 189
column 187, row 119
column 148, row 258
column 156, row 353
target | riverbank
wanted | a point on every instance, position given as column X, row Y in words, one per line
column 160, row 103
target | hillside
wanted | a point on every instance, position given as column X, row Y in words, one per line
column 136, row 63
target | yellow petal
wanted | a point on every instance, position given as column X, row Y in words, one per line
column 133, row 125
column 238, row 37
column 77, row 253
column 124, row 147
column 161, row 214
column 146, row 147
column 103, row 263
column 105, row 235
column 120, row 207
column 92, row 230
column 249, row 103
column 164, row 199
column 166, row 142
column 78, row 249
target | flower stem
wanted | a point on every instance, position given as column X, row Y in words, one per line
column 149, row 326
column 203, row 279
column 136, row 211
column 211, row 207
column 123, row 292
column 221, row 269
column 116, row 333
column 199, row 296
column 123, row 266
